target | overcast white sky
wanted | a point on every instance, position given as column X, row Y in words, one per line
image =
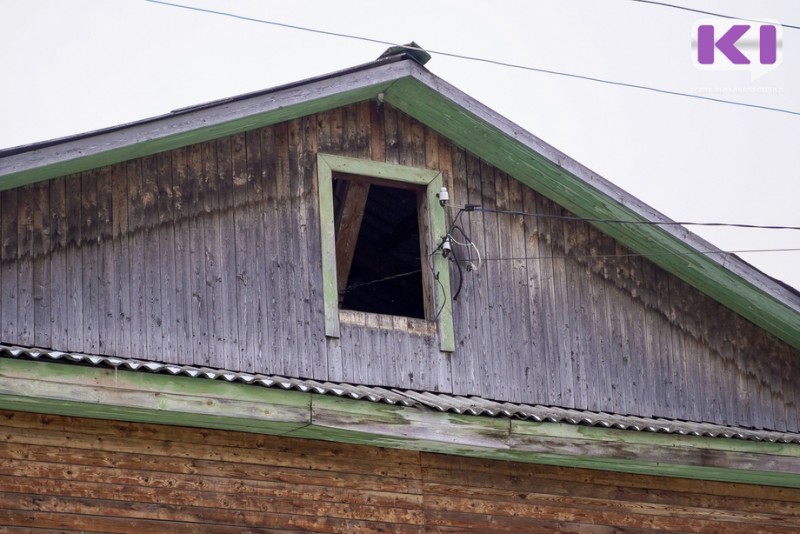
column 73, row 66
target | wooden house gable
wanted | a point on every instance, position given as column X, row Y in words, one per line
column 214, row 255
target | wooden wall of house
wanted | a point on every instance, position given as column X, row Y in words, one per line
column 209, row 255
column 81, row 475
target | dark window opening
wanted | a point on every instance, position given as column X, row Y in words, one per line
column 378, row 247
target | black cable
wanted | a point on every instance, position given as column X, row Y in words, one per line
column 460, row 274
column 645, row 255
column 693, row 10
column 482, row 60
column 617, row 221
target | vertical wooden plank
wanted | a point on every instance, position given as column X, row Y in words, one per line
column 391, row 135
column 152, row 259
column 666, row 343
column 288, row 250
column 243, row 238
column 627, row 381
column 642, row 357
column 300, row 238
column 184, row 218
column 227, row 230
column 498, row 277
column 121, row 239
column 602, row 266
column 41, row 258
column 106, row 271
column 90, row 261
column 270, row 298
column 563, row 328
column 453, row 163
column 537, row 365
column 215, row 310
column 315, row 331
column 165, row 233
column 477, row 284
column 654, row 363
column 58, row 264
column 8, row 261
column 140, row 292
column 192, row 222
column 576, row 300
column 544, row 251
column 680, row 347
column 258, row 261
column 274, row 263
column 25, row 233
column 521, row 321
column 74, row 275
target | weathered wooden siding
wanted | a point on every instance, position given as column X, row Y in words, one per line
column 70, row 474
column 209, row 255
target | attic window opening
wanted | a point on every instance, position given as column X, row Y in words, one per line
column 393, row 246
column 378, row 247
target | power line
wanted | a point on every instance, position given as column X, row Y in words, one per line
column 645, row 255
column 478, row 59
column 693, row 10
column 468, row 208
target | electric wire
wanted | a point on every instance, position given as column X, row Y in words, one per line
column 722, row 15
column 478, row 59
column 591, row 256
column 644, row 255
column 356, row 285
column 469, row 208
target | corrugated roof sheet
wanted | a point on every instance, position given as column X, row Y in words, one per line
column 442, row 402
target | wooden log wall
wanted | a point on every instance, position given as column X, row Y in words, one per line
column 69, row 474
column 209, row 255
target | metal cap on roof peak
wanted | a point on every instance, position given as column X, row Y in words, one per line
column 412, row 50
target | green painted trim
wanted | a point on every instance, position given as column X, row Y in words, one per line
column 66, row 389
column 156, row 139
column 434, row 109
column 327, row 164
column 328, row 243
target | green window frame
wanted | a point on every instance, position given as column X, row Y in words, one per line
column 431, row 180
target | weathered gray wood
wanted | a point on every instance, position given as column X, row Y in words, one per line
column 288, row 330
column 140, row 307
column 298, row 223
column 8, row 266
column 183, row 219
column 121, row 285
column 230, row 323
column 58, row 264
column 496, row 281
column 106, row 278
column 193, row 222
column 165, row 234
column 215, row 351
column 478, row 284
column 25, row 231
column 41, row 258
column 315, row 327
column 90, row 235
column 152, row 259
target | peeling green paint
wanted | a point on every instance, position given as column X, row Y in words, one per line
column 65, row 389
